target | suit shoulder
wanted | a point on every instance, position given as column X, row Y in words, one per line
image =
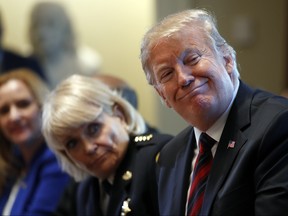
column 264, row 98
column 268, row 105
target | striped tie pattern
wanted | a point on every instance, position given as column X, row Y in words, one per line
column 200, row 175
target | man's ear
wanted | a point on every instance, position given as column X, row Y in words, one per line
column 229, row 63
column 163, row 98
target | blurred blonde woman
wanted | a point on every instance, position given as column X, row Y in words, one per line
column 31, row 180
column 101, row 140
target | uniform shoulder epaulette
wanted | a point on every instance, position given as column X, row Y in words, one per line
column 143, row 138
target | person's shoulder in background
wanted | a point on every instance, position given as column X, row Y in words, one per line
column 11, row 60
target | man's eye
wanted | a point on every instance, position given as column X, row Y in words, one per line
column 192, row 60
column 166, row 76
column 93, row 129
column 71, row 144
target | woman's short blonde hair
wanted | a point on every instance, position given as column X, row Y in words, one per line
column 78, row 100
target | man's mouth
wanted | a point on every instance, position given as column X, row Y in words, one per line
column 192, row 91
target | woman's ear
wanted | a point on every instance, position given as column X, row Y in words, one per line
column 119, row 112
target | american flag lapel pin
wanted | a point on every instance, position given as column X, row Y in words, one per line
column 231, row 144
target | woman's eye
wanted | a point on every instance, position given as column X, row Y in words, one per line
column 4, row 110
column 93, row 129
column 71, row 144
column 23, row 103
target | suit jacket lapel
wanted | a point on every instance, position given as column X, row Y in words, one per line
column 238, row 119
column 180, row 169
column 184, row 171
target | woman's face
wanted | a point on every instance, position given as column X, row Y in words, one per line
column 99, row 146
column 19, row 113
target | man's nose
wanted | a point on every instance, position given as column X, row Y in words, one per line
column 184, row 75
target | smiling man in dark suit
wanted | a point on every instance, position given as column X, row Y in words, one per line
column 194, row 70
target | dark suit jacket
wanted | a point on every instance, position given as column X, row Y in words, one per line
column 249, row 179
column 10, row 60
column 141, row 188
